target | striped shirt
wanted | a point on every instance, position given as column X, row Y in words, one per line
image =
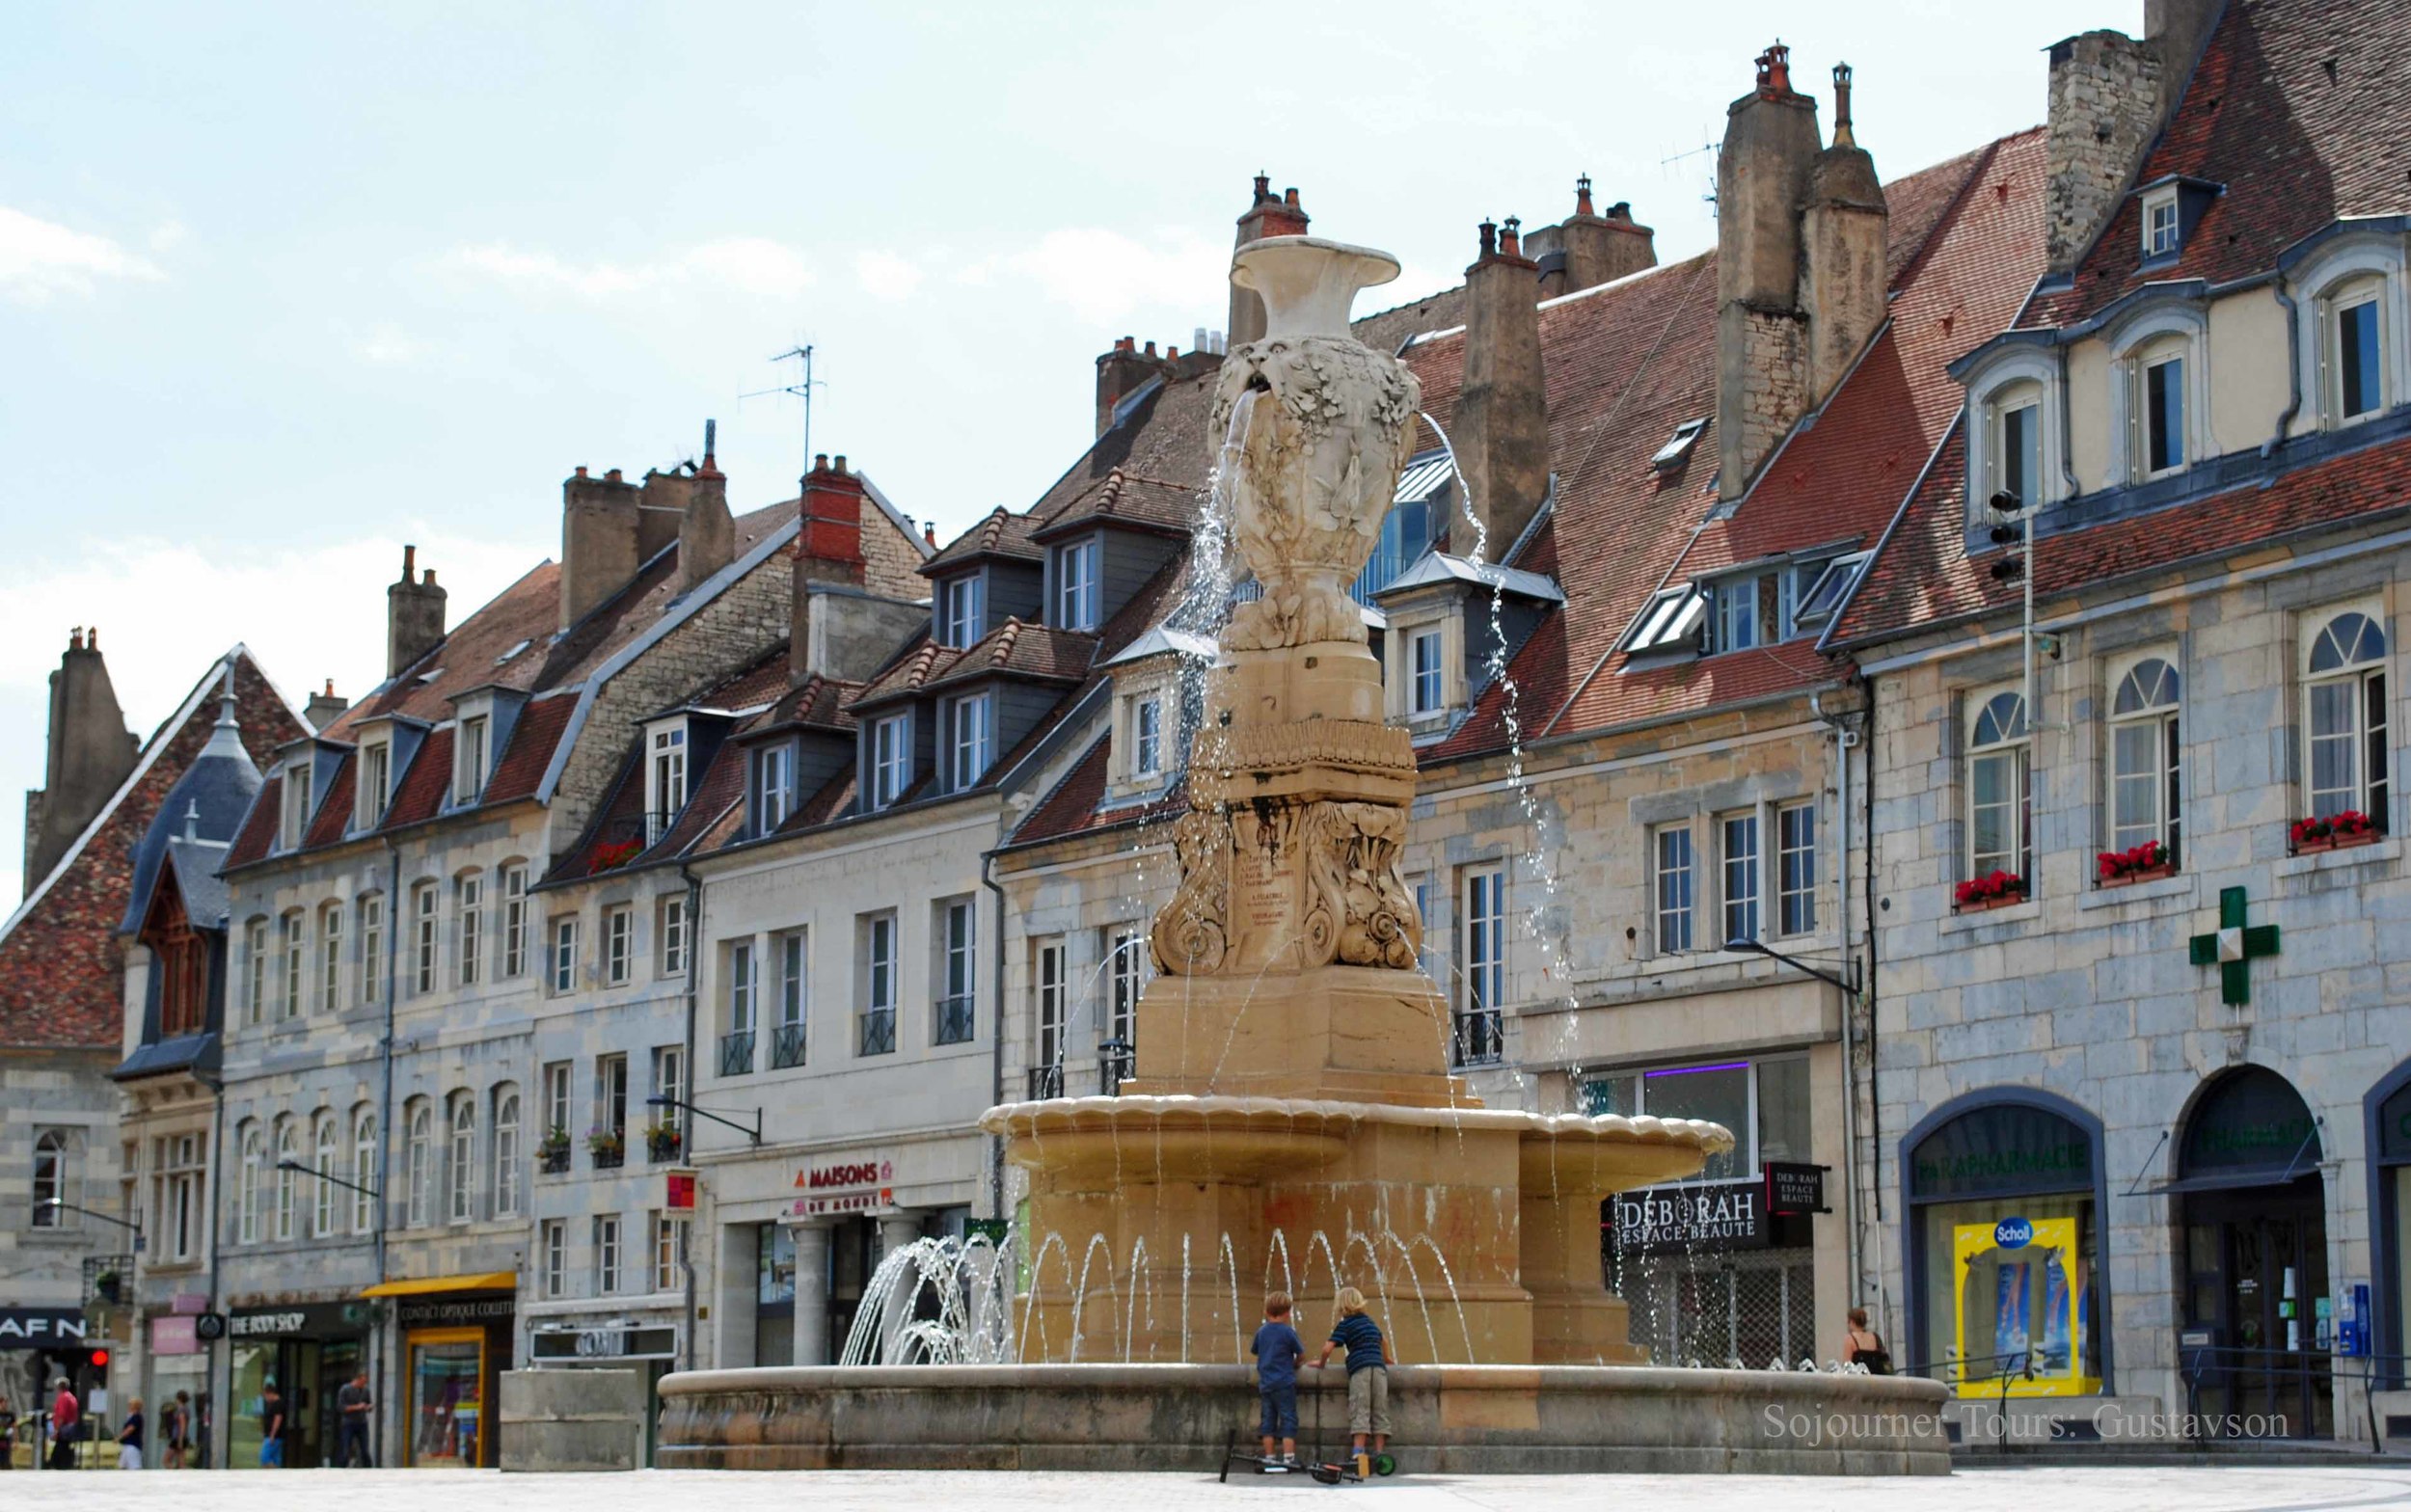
column 1362, row 1337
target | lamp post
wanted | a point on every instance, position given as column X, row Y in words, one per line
column 135, row 1226
column 682, row 1105
column 327, row 1177
column 1848, row 983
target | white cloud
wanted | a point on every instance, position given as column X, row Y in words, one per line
column 1104, row 275
column 744, row 264
column 885, row 274
column 39, row 259
column 390, row 343
column 167, row 236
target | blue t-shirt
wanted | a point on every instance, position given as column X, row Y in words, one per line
column 1278, row 1349
column 1362, row 1337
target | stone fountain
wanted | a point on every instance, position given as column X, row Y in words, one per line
column 1293, row 1088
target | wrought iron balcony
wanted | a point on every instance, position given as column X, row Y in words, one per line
column 786, row 1046
column 737, row 1053
column 955, row 1019
column 877, row 1031
column 1046, row 1081
column 1480, row 1036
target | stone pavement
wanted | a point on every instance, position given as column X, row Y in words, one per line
column 2107, row 1489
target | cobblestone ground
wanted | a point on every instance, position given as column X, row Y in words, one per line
column 2117, row 1489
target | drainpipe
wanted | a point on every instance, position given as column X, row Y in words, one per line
column 694, row 938
column 1867, row 987
column 996, row 1087
column 1843, row 740
column 385, row 1148
column 2293, row 367
column 218, row 1163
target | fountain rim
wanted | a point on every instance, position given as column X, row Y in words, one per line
column 1244, row 276
column 1054, row 1113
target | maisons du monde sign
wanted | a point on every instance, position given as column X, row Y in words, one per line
column 1715, row 1215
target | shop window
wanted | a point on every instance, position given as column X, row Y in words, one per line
column 446, row 1416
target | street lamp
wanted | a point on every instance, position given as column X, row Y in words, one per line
column 1746, row 947
column 135, row 1226
column 325, row 1175
column 754, row 1133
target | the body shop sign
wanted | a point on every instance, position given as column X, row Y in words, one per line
column 1716, row 1215
column 856, row 1185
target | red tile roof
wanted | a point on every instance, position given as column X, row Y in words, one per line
column 258, row 831
column 1126, row 498
column 1018, row 648
column 530, row 751
column 1002, row 533
column 335, row 808
column 420, row 795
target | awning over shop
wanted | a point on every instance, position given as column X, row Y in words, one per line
column 490, row 1280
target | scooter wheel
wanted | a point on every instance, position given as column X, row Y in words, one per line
column 1385, row 1465
column 1326, row 1474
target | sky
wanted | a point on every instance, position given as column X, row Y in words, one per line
column 286, row 287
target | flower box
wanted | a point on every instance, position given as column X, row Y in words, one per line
column 553, row 1161
column 1994, row 890
column 2335, row 832
column 2140, row 864
column 2147, row 873
column 662, row 1143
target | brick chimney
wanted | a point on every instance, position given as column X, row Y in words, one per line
column 1121, row 372
column 829, row 551
column 1845, row 228
column 2109, row 97
column 91, row 754
column 707, row 536
column 325, row 707
column 1587, row 248
column 1500, row 428
column 599, row 534
column 662, row 501
column 1270, row 215
column 413, row 615
column 1763, row 171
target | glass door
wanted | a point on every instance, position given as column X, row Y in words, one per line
column 445, row 1413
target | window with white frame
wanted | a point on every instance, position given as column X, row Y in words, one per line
column 425, row 937
column 670, row 1085
column 2344, row 691
column 1792, row 586
column 607, row 1256
column 665, row 779
column 514, row 920
column 736, row 1042
column 374, row 782
column 1999, row 782
column 294, row 814
column 1147, row 735
column 1796, row 868
column 296, row 954
column 620, row 944
column 672, row 956
column 255, row 971
column 961, row 611
column 2160, row 224
column 324, row 1151
column 419, row 1164
column 506, row 1168
column 1481, row 1022
column 460, row 1175
column 891, row 759
column 773, row 786
column 1672, row 850
column 331, row 958
column 1126, row 980
column 2142, row 757
column 2352, row 329
column 795, row 999
column 2157, row 409
column 970, row 739
column 565, row 954
column 556, row 1252
column 669, row 1251
column 50, row 1186
column 372, row 948
column 475, row 733
column 957, row 971
column 2013, row 455
column 288, row 1168
column 1049, row 985
column 1736, row 614
column 556, row 1096
column 248, row 1186
column 611, row 1096
column 364, row 1173
column 1737, row 852
column 1426, row 683
column 1078, row 589
column 182, row 1173
column 1766, row 1103
column 876, row 1027
column 468, row 897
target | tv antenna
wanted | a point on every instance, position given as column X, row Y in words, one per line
column 1707, row 148
column 801, row 388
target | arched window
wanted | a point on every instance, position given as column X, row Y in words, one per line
column 248, row 1185
column 363, row 1171
column 420, row 1162
column 50, row 1180
column 2352, row 350
column 506, row 1151
column 287, row 1156
column 2000, row 803
column 461, row 1176
column 323, row 1204
column 2143, row 795
column 2345, row 717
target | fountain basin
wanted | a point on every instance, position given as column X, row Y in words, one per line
column 1483, row 1419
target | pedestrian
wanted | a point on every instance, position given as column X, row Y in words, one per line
column 130, row 1435
column 176, row 1424
column 1278, row 1350
column 352, row 1431
column 8, row 1435
column 271, row 1428
column 1369, row 1361
column 1864, row 1346
column 64, row 1429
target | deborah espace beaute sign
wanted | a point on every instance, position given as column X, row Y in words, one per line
column 1716, row 1215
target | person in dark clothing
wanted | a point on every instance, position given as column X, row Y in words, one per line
column 8, row 1435
column 272, row 1421
column 1278, row 1350
column 1862, row 1345
column 175, row 1430
column 353, row 1403
column 130, row 1435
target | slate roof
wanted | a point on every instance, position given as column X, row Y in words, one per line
column 1003, row 534
column 210, row 799
column 1128, row 500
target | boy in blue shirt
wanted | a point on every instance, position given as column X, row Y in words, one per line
column 1368, row 1359
column 1278, row 1350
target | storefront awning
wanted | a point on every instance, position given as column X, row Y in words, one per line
column 490, row 1280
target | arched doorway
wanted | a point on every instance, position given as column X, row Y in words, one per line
column 2253, row 1220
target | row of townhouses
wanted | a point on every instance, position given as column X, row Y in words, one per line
column 1912, row 683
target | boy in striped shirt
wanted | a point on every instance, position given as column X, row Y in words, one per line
column 1368, row 1359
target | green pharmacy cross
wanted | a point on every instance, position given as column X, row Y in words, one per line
column 2233, row 946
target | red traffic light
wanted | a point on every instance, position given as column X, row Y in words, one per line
column 100, row 1359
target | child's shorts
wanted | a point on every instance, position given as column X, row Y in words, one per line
column 1369, row 1400
column 1279, row 1411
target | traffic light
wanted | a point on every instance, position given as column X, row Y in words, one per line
column 2011, row 566
column 100, row 1362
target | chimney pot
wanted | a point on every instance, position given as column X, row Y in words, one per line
column 1263, row 187
column 582, row 470
column 1289, row 196
column 1621, row 210
column 427, row 578
column 1774, row 69
column 1489, row 238
column 839, row 465
column 330, row 687
column 929, row 531
column 613, row 477
column 91, row 639
column 409, row 559
column 1581, row 196
column 1512, row 238
column 75, row 639
column 820, row 462
column 1150, row 348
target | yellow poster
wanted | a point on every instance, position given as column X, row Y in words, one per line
column 2020, row 1310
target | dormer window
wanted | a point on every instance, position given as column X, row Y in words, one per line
column 2161, row 235
column 1078, row 590
column 1670, row 620
column 1736, row 614
column 1425, row 689
column 2160, row 410
column 970, row 740
column 891, row 759
column 774, row 787
column 2356, row 348
column 293, row 822
column 1824, row 595
column 1424, row 675
column 2015, row 462
column 961, row 617
column 374, row 785
column 1147, row 735
column 1678, row 448
column 473, row 748
column 665, row 778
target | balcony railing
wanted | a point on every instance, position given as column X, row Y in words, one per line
column 1046, row 1081
column 786, row 1046
column 1480, row 1036
column 737, row 1053
column 553, row 1160
column 954, row 1019
column 609, row 1159
column 877, row 1031
column 1116, row 1066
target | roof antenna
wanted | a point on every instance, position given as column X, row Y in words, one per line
column 801, row 388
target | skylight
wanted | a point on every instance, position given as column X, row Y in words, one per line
column 426, row 678
column 1677, row 449
column 512, row 652
column 1825, row 594
column 1671, row 620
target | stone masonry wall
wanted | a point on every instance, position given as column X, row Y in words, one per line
column 2105, row 98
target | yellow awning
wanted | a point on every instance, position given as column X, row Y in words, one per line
column 491, row 1280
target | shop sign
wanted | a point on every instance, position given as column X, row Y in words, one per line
column 2013, row 1233
column 848, row 1186
column 1794, row 1189
column 174, row 1334
column 1716, row 1215
column 2252, row 1123
column 678, row 1191
column 189, row 1303
column 2001, row 1150
column 41, row 1328
column 656, row 1342
column 269, row 1325
column 465, row 1312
